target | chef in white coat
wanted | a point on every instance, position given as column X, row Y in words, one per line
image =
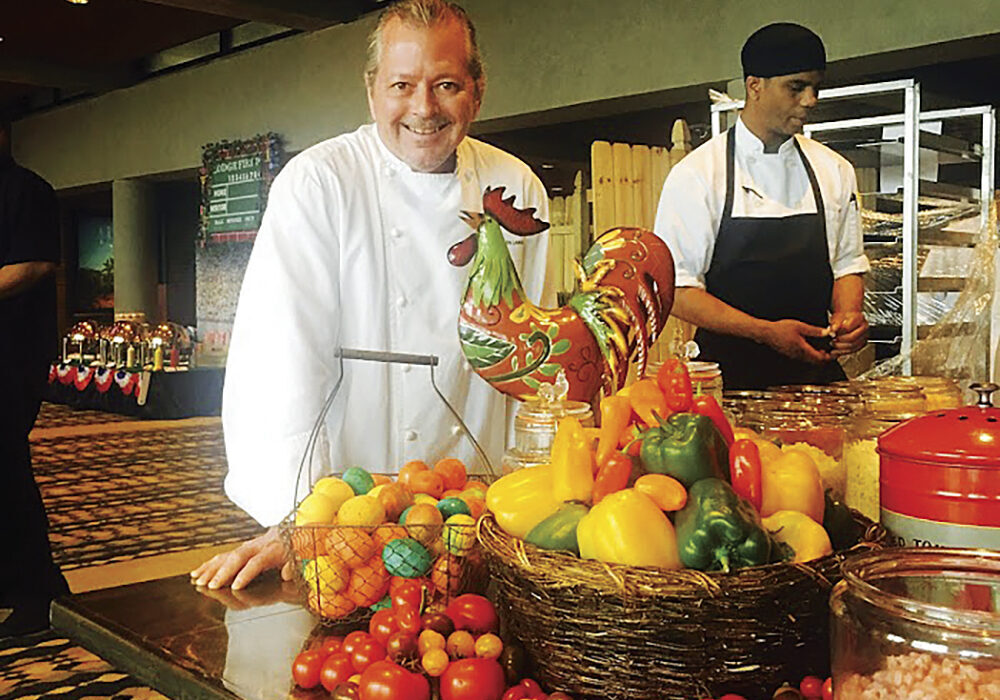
column 765, row 229
column 352, row 253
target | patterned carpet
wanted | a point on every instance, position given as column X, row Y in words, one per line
column 46, row 665
column 117, row 496
column 53, row 415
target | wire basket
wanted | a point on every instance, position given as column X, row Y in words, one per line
column 346, row 572
column 601, row 630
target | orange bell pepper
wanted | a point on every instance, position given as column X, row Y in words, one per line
column 612, row 476
column 648, row 402
column 616, row 412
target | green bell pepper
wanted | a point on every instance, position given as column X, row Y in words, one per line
column 686, row 446
column 840, row 525
column 719, row 531
column 558, row 531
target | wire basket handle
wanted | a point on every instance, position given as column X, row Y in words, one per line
column 397, row 358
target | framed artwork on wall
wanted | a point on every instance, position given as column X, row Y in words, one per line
column 95, row 276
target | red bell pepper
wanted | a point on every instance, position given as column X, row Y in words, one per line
column 745, row 471
column 616, row 412
column 675, row 383
column 706, row 405
column 631, row 440
column 612, row 476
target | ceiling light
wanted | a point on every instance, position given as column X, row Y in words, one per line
column 547, row 166
column 77, row 2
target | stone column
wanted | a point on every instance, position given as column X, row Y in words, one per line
column 136, row 247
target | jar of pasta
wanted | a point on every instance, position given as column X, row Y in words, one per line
column 861, row 461
column 917, row 623
column 941, row 392
column 535, row 427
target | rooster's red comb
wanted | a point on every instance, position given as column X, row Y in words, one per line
column 518, row 221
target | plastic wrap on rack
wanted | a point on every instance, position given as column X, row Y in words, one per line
column 958, row 345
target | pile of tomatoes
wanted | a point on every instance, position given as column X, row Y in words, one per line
column 810, row 688
column 404, row 653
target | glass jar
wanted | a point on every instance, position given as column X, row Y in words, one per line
column 892, row 395
column 819, row 431
column 917, row 623
column 706, row 378
column 861, row 461
column 535, row 427
column 941, row 392
column 737, row 403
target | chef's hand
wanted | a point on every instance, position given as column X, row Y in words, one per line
column 850, row 332
column 242, row 565
column 253, row 596
column 788, row 337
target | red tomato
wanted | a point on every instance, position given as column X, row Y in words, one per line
column 305, row 668
column 516, row 693
column 732, row 696
column 409, row 592
column 407, row 618
column 474, row 613
column 366, row 653
column 811, row 688
column 384, row 680
column 473, row 679
column 336, row 670
column 351, row 641
column 382, row 625
column 330, row 645
column 828, row 689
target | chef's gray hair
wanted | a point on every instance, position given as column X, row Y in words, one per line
column 425, row 13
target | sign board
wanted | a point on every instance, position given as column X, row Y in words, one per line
column 235, row 178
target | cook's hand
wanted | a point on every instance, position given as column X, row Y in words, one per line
column 254, row 596
column 850, row 332
column 242, row 565
column 788, row 337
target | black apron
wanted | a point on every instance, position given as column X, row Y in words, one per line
column 773, row 269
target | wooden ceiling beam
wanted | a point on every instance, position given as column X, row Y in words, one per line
column 306, row 15
column 65, row 77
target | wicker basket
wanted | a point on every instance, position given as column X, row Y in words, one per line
column 596, row 630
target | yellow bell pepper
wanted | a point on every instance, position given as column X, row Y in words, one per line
column 805, row 536
column 792, row 483
column 522, row 499
column 572, row 463
column 627, row 527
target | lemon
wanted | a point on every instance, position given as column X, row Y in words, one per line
column 363, row 511
column 425, row 498
column 315, row 509
column 377, row 490
column 327, row 574
column 337, row 490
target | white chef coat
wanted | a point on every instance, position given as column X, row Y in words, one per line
column 765, row 185
column 352, row 252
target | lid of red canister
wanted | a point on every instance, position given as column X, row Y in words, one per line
column 962, row 436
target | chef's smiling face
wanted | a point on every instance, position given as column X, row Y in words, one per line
column 422, row 96
column 785, row 101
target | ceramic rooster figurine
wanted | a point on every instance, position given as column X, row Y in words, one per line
column 626, row 289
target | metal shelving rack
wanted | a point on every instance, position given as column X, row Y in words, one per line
column 912, row 141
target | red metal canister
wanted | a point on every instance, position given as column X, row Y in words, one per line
column 940, row 476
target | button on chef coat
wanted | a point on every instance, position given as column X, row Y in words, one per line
column 765, row 185
column 326, row 272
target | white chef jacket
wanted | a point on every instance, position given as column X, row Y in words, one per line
column 765, row 185
column 352, row 252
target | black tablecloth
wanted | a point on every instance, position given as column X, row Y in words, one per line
column 194, row 392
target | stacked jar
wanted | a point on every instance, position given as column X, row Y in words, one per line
column 535, row 428
column 886, row 402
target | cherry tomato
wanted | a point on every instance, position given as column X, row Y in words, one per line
column 559, row 696
column 305, row 668
column 337, row 668
column 434, row 662
column 366, row 653
column 811, row 688
column 407, row 618
column 383, row 625
column 531, row 687
column 429, row 639
column 828, row 689
column 439, row 622
column 330, row 645
column 732, row 696
column 384, row 680
column 401, row 646
column 345, row 691
column 460, row 645
column 474, row 613
column 473, row 679
column 408, row 592
column 516, row 693
column 489, row 646
column 352, row 640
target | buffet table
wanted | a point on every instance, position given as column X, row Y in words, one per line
column 143, row 394
column 191, row 644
